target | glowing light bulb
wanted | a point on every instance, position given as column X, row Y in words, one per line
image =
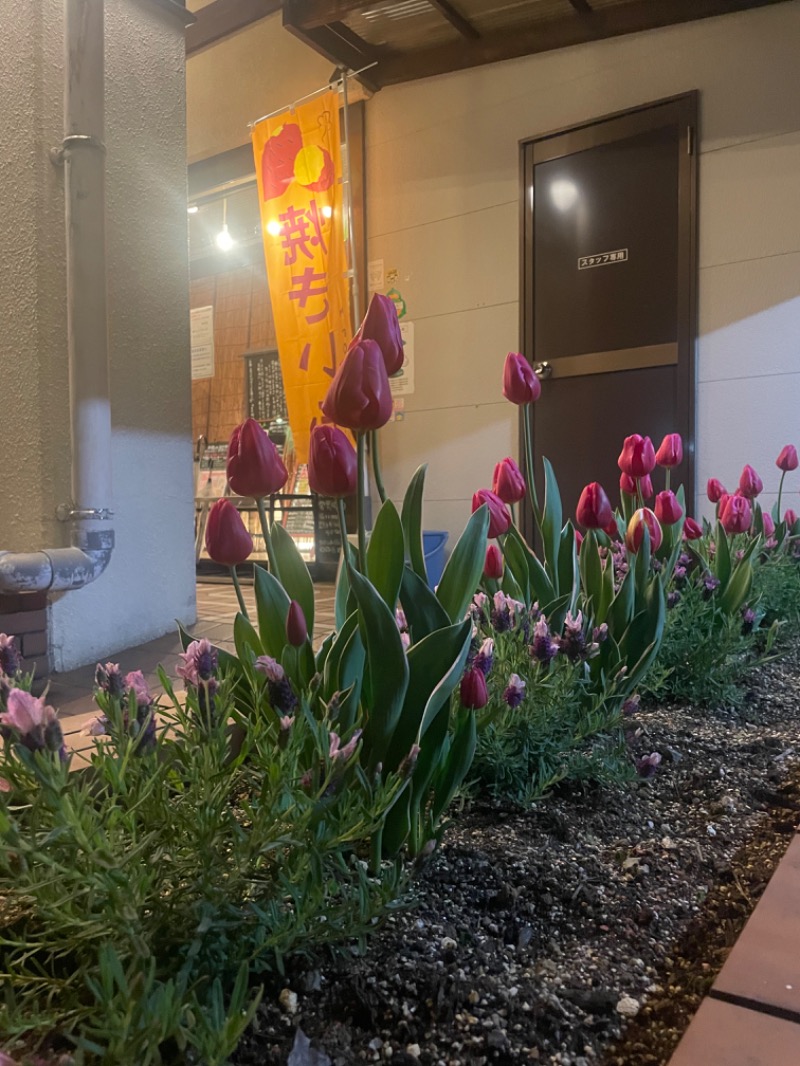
column 274, row 228
column 327, row 210
column 192, row 209
column 224, row 240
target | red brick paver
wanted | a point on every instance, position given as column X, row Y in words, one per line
column 724, row 1035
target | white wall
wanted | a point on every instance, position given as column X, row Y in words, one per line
column 443, row 211
column 150, row 580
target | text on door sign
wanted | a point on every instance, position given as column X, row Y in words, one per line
column 587, row 261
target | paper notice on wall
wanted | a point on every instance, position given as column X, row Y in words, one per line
column 375, row 278
column 202, row 334
column 403, row 383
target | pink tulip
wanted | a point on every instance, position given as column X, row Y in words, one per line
column 474, row 693
column 769, row 525
column 736, row 515
column 787, row 460
column 520, row 383
column 508, row 482
column 493, row 566
column 499, row 518
column 692, row 530
column 668, row 509
column 670, row 452
column 594, row 510
column 643, row 519
column 750, row 484
column 790, row 517
column 637, row 457
column 715, row 490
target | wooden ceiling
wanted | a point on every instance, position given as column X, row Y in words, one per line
column 409, row 39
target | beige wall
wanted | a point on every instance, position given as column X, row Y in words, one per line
column 443, row 210
column 150, row 580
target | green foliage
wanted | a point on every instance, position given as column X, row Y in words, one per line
column 776, row 587
column 139, row 895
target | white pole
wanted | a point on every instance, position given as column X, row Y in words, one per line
column 355, row 295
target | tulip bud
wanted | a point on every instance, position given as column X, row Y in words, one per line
column 508, row 482
column 641, row 520
column 332, row 463
column 790, row 518
column 637, row 457
column 360, row 396
column 499, row 518
column 715, row 490
column 594, row 509
column 668, row 510
column 750, row 484
column 382, row 325
column 474, row 693
column 736, row 514
column 769, row 525
column 612, row 529
column 670, row 452
column 627, row 484
column 578, row 539
column 227, row 540
column 296, row 628
column 646, row 487
column 787, row 460
column 520, row 383
column 254, row 467
column 493, row 566
column 692, row 530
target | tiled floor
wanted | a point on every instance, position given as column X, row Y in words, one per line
column 71, row 693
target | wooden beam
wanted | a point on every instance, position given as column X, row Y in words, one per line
column 548, row 35
column 221, row 18
column 310, row 14
column 455, row 18
column 339, row 45
column 583, row 7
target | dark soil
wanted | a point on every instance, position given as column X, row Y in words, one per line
column 583, row 932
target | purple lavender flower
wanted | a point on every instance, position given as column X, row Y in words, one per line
column 748, row 620
column 336, row 752
column 647, row 765
column 479, row 608
column 600, row 634
column 710, row 583
column 514, row 692
column 9, row 656
column 108, row 679
column 631, row 705
column 573, row 641
column 673, row 598
column 406, row 767
column 32, row 722
column 679, row 574
column 279, row 689
column 543, row 648
column 199, row 662
column 485, row 657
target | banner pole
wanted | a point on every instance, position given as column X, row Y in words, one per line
column 355, row 295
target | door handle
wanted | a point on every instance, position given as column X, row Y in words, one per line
column 543, row 370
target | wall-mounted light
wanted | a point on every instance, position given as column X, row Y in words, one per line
column 224, row 240
column 192, row 209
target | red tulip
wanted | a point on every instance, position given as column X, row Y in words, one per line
column 493, row 567
column 646, row 487
column 736, row 514
column 578, row 539
column 296, row 628
column 641, row 520
column 254, row 467
column 360, row 396
column 332, row 463
column 790, row 517
column 627, row 484
column 474, row 693
column 769, row 525
column 671, row 451
column 227, row 540
column 668, row 510
column 499, row 518
column 715, row 490
column 692, row 530
column 520, row 383
column 750, row 484
column 382, row 325
column 508, row 482
column 787, row 460
column 594, row 510
column 612, row 529
column 637, row 457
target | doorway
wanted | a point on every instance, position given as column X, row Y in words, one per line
column 608, row 290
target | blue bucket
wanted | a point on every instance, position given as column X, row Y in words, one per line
column 433, row 545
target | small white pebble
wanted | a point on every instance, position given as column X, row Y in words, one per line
column 413, row 1050
column 628, row 1007
column 712, row 832
column 288, row 1000
column 448, row 943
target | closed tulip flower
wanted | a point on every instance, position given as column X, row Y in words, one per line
column 254, row 467
column 227, row 540
column 637, row 457
column 360, row 396
column 493, row 566
column 715, row 490
column 474, row 693
column 641, row 520
column 296, row 628
column 670, row 453
column 594, row 510
column 520, row 383
column 692, row 530
column 627, row 484
column 508, row 483
column 736, row 515
column 769, row 525
column 499, row 518
column 787, row 460
column 646, row 487
column 790, row 517
column 668, row 510
column 332, row 463
column 382, row 325
column 750, row 484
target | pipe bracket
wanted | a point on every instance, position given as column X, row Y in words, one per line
column 67, row 513
column 74, row 140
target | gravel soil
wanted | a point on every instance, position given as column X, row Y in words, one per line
column 582, row 932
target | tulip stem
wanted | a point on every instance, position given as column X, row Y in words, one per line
column 262, row 514
column 361, row 444
column 780, row 493
column 343, row 531
column 376, row 465
column 239, row 596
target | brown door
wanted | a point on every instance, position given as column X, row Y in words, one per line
column 608, row 287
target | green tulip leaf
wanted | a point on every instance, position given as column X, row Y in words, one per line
column 568, row 565
column 386, row 554
column 411, row 517
column 272, row 606
column 458, row 763
column 422, row 609
column 464, row 568
column 343, row 605
column 511, row 588
column 622, row 606
column 246, row 639
column 295, row 577
column 738, row 589
column 516, row 561
column 551, row 522
column 541, row 586
column 722, row 557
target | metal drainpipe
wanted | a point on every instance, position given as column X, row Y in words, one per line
column 83, row 157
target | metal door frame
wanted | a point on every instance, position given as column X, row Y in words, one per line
column 683, row 111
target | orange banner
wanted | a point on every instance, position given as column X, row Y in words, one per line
column 298, row 166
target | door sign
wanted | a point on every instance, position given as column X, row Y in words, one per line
column 587, row 261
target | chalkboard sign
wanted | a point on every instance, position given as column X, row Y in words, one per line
column 328, row 537
column 266, row 399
